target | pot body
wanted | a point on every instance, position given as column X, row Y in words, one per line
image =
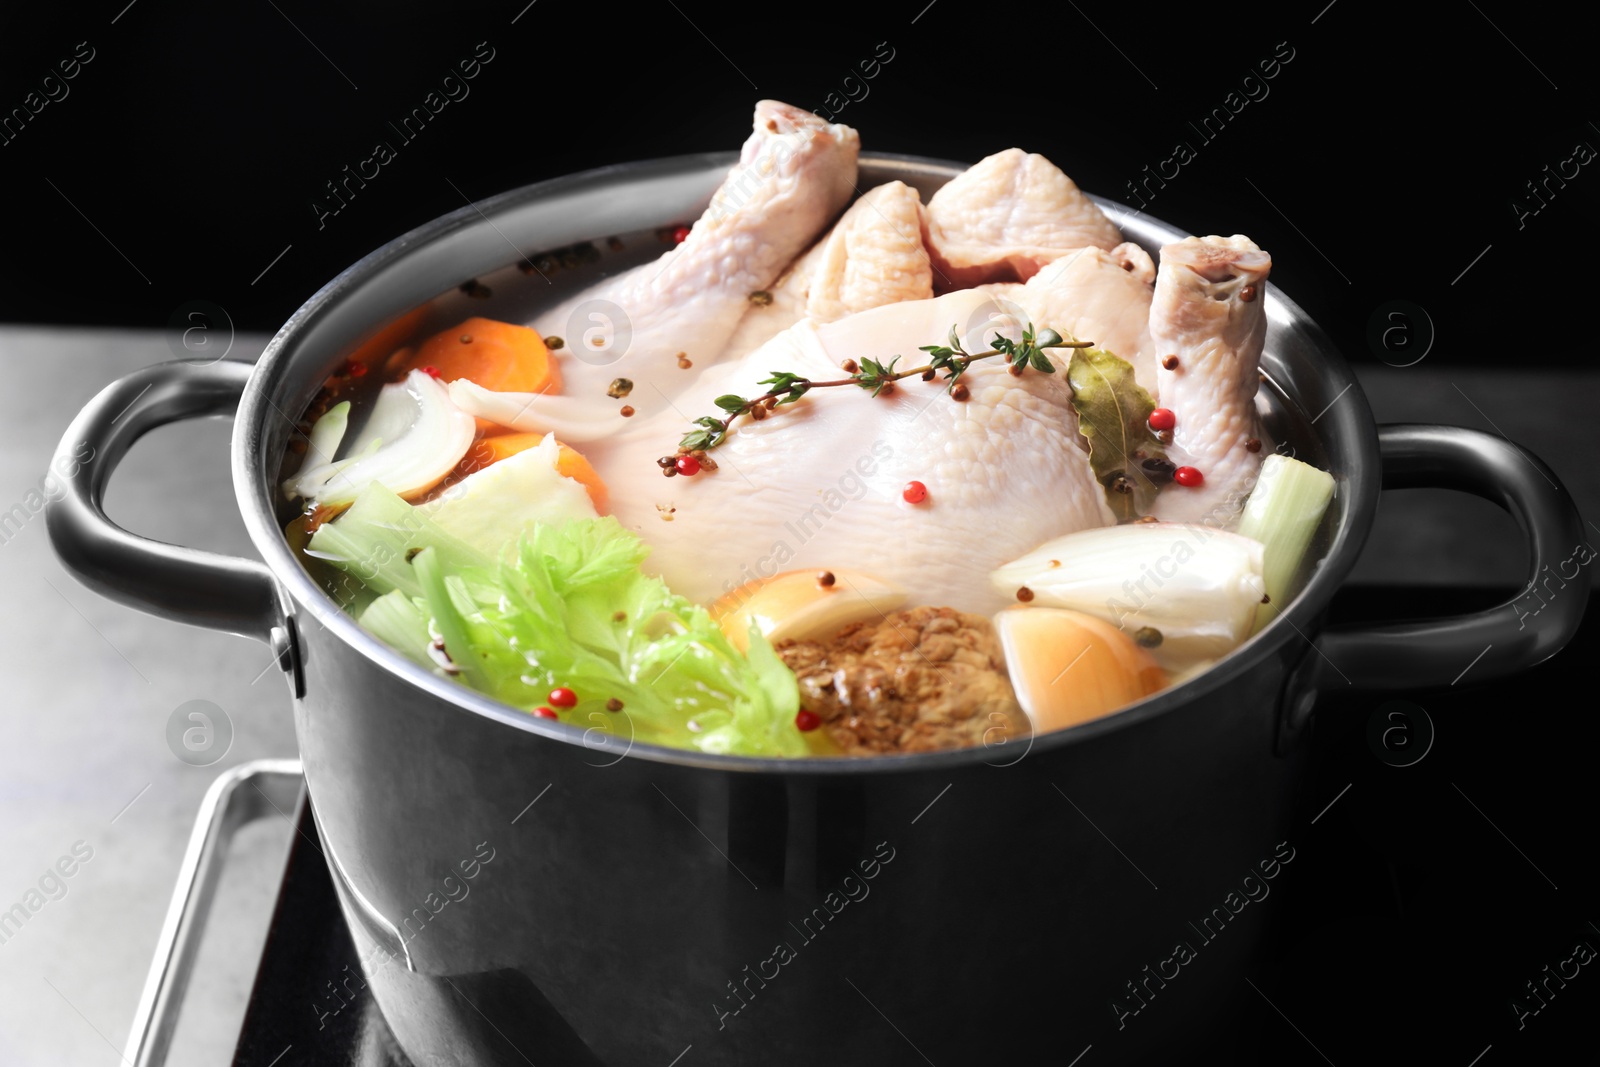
column 640, row 907
column 525, row 891
column 985, row 912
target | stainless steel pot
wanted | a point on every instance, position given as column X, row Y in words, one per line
column 523, row 892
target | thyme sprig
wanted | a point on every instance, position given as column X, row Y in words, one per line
column 876, row 377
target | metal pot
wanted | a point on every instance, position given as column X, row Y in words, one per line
column 524, row 892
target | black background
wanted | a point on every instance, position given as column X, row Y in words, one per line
column 1384, row 160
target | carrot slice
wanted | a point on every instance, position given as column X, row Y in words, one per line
column 496, row 355
column 570, row 463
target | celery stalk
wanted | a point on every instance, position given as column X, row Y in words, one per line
column 1283, row 513
column 395, row 619
column 453, row 628
column 376, row 536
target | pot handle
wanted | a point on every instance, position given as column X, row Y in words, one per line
column 200, row 588
column 1499, row 641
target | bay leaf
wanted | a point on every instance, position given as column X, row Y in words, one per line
column 1114, row 415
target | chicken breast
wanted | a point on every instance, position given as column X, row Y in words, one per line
column 818, row 484
column 1209, row 311
column 1006, row 217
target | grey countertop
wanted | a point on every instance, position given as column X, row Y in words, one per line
column 91, row 687
column 93, row 684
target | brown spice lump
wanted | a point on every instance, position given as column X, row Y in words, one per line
column 918, row 680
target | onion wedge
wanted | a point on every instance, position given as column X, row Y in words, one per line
column 414, row 437
column 1068, row 667
column 1197, row 586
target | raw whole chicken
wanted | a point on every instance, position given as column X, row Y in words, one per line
column 819, row 483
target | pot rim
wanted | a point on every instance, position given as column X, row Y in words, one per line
column 1355, row 494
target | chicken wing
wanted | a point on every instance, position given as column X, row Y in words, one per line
column 1007, row 216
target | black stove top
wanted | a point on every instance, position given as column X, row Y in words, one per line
column 1439, row 911
column 310, row 1006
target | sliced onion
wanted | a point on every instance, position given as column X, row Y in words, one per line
column 414, row 437
column 572, row 419
column 1197, row 585
column 322, row 444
